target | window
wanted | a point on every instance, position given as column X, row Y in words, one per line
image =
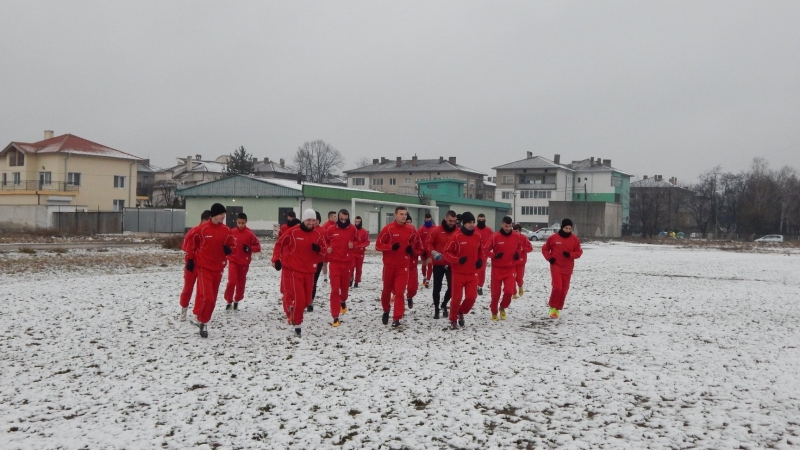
column 119, row 182
column 616, row 181
column 5, row 180
column 392, row 181
column 508, row 179
column 541, row 210
column 358, row 181
column 535, row 194
column 45, row 178
column 16, row 158
column 15, row 177
column 74, row 178
column 527, row 210
column 579, row 179
column 433, row 186
column 617, row 198
column 119, row 204
column 377, row 181
column 506, row 195
column 407, row 181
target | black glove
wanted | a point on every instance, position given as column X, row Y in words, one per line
column 226, row 249
column 278, row 266
column 410, row 250
column 395, row 246
column 516, row 256
column 316, row 248
column 552, row 260
column 462, row 260
column 246, row 248
column 190, row 265
column 566, row 254
column 479, row 264
column 498, row 256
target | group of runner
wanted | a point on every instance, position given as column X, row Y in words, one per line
column 457, row 250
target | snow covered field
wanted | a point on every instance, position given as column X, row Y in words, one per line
column 658, row 347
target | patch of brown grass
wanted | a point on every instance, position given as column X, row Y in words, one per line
column 108, row 261
column 27, row 250
column 173, row 242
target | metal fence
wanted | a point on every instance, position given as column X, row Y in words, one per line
column 34, row 185
column 88, row 222
column 142, row 220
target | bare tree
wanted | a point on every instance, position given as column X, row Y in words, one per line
column 164, row 194
column 318, row 161
column 363, row 162
column 649, row 208
column 701, row 204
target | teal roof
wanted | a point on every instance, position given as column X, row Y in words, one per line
column 468, row 201
column 240, row 186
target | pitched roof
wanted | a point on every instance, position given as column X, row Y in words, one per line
column 271, row 166
column 68, row 143
column 423, row 165
column 535, row 162
column 146, row 167
column 587, row 166
column 652, row 182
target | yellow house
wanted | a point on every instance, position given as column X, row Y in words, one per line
column 67, row 170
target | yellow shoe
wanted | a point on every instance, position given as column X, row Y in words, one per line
column 502, row 314
column 514, row 297
column 335, row 323
column 521, row 291
column 343, row 310
column 494, row 317
column 554, row 313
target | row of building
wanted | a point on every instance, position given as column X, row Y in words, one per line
column 68, row 170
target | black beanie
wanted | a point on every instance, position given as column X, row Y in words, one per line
column 217, row 209
column 566, row 222
column 467, row 217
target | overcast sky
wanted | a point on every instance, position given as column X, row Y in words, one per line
column 671, row 88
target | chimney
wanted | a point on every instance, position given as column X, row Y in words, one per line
column 48, row 134
column 383, row 160
column 399, row 161
column 198, row 157
column 452, row 160
column 644, row 177
column 658, row 177
column 529, row 155
column 591, row 161
column 607, row 162
column 441, row 159
column 557, row 159
column 299, row 177
column 283, row 162
column 375, row 161
column 674, row 181
column 414, row 160
column 188, row 163
column 255, row 161
column 266, row 160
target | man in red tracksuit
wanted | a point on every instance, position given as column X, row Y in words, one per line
column 341, row 240
column 189, row 275
column 331, row 222
column 561, row 250
column 291, row 220
column 423, row 232
column 210, row 245
column 362, row 242
column 413, row 272
column 520, row 265
column 437, row 241
column 464, row 252
column 505, row 249
column 485, row 232
column 396, row 241
column 239, row 261
column 298, row 253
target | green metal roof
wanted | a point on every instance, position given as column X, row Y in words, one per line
column 240, row 186
column 468, row 201
column 340, row 193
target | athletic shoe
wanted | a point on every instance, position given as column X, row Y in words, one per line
column 461, row 319
column 355, row 285
column 351, row 283
column 480, row 290
column 325, row 279
column 310, row 308
column 203, row 330
column 193, row 320
column 494, row 317
column 385, row 318
column 426, row 283
column 521, row 291
column 514, row 297
column 444, row 311
column 396, row 324
column 410, row 303
column 436, row 314
column 553, row 313
column 502, row 314
column 182, row 317
column 229, row 307
column 298, row 331
column 343, row 308
column 335, row 322
column 453, row 325
column 235, row 306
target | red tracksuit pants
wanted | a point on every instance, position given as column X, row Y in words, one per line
column 413, row 281
column 503, row 283
column 207, row 290
column 189, row 278
column 427, row 271
column 237, row 276
column 395, row 280
column 560, row 288
column 359, row 263
column 297, row 287
column 465, row 286
column 339, row 274
column 482, row 274
column 520, row 269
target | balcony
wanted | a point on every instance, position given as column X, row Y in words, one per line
column 536, row 187
column 36, row 185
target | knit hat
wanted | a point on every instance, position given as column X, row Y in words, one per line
column 309, row 214
column 566, row 222
column 467, row 217
column 217, row 209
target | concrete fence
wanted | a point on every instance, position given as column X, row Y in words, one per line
column 88, row 222
column 141, row 220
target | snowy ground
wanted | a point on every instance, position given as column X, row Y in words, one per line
column 658, row 347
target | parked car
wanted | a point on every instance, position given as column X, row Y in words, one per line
column 543, row 233
column 775, row 238
column 527, row 233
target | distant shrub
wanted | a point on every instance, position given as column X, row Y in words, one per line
column 27, row 250
column 173, row 242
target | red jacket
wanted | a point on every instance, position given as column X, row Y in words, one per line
column 556, row 245
column 419, row 250
column 338, row 239
column 328, row 224
column 243, row 237
column 362, row 242
column 288, row 225
column 507, row 245
column 437, row 240
column 207, row 246
column 294, row 251
column 187, row 241
column 423, row 233
column 485, row 233
column 461, row 245
column 405, row 235
column 526, row 248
